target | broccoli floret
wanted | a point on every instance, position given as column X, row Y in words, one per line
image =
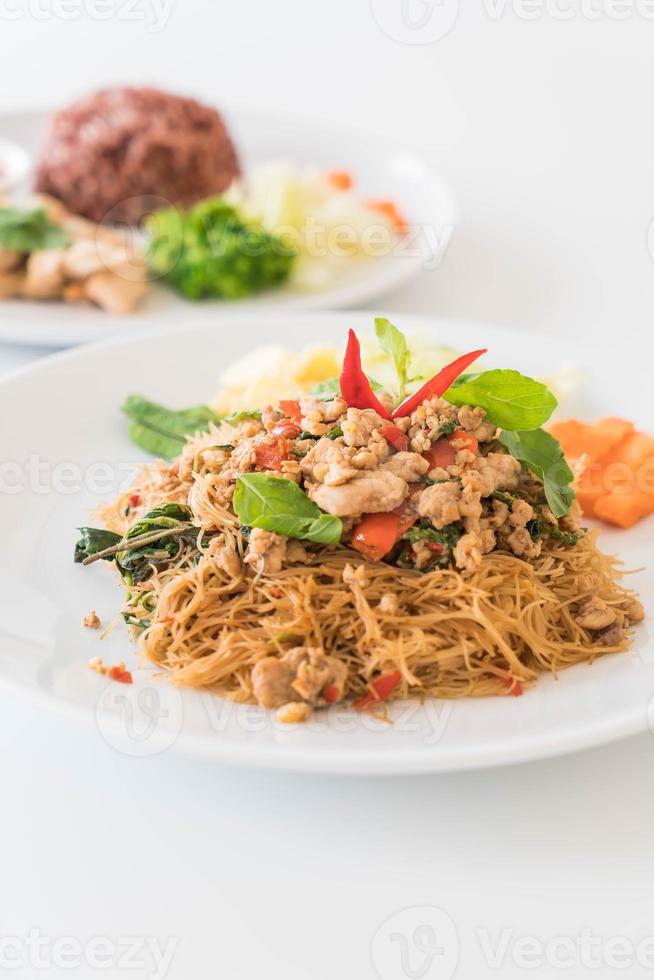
column 212, row 251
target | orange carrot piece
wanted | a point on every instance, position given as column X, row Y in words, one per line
column 389, row 210
column 340, row 179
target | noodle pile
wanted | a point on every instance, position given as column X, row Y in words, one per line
column 451, row 634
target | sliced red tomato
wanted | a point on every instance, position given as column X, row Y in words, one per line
column 376, row 534
column 122, row 676
column 270, row 455
column 380, row 690
column 331, row 693
column 407, row 516
column 134, row 500
column 289, row 430
column 461, row 435
column 291, row 407
column 514, row 686
column 395, row 437
column 441, row 453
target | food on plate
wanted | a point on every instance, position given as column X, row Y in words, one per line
column 212, row 251
column 320, row 216
column 360, row 545
column 117, row 672
column 614, row 464
column 48, row 254
column 110, row 153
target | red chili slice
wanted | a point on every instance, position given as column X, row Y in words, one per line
column 380, row 690
column 439, row 384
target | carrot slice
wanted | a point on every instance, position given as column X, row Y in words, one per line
column 625, row 509
column 594, row 441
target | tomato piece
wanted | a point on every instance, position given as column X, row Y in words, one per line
column 376, row 534
column 461, row 435
column 291, row 407
column 440, row 454
column 134, row 500
column 340, row 179
column 331, row 693
column 289, row 430
column 514, row 686
column 270, row 455
column 395, row 437
column 407, row 516
column 380, row 690
column 122, row 676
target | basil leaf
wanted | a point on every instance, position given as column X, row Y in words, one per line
column 276, row 504
column 163, row 431
column 510, row 399
column 393, row 342
column 237, row 417
column 92, row 540
column 30, row 231
column 324, row 529
column 542, row 454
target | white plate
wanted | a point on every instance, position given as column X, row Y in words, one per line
column 64, row 413
column 381, row 170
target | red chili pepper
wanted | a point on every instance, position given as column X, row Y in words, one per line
column 331, row 693
column 122, row 676
column 440, row 454
column 397, row 439
column 380, row 690
column 438, row 384
column 292, row 409
column 355, row 387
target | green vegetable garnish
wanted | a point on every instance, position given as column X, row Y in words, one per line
column 30, row 231
column 510, row 399
column 542, row 454
column 446, row 539
column 327, row 390
column 163, row 431
column 393, row 342
column 276, row 504
column 237, row 417
column 212, row 251
column 93, row 540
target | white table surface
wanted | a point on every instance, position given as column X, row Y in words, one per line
column 544, row 128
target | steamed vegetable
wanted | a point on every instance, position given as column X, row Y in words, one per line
column 212, row 251
column 30, row 231
column 276, row 504
column 617, row 481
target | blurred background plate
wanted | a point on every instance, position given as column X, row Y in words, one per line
column 380, row 169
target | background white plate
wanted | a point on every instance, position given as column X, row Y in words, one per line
column 63, row 415
column 381, row 170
